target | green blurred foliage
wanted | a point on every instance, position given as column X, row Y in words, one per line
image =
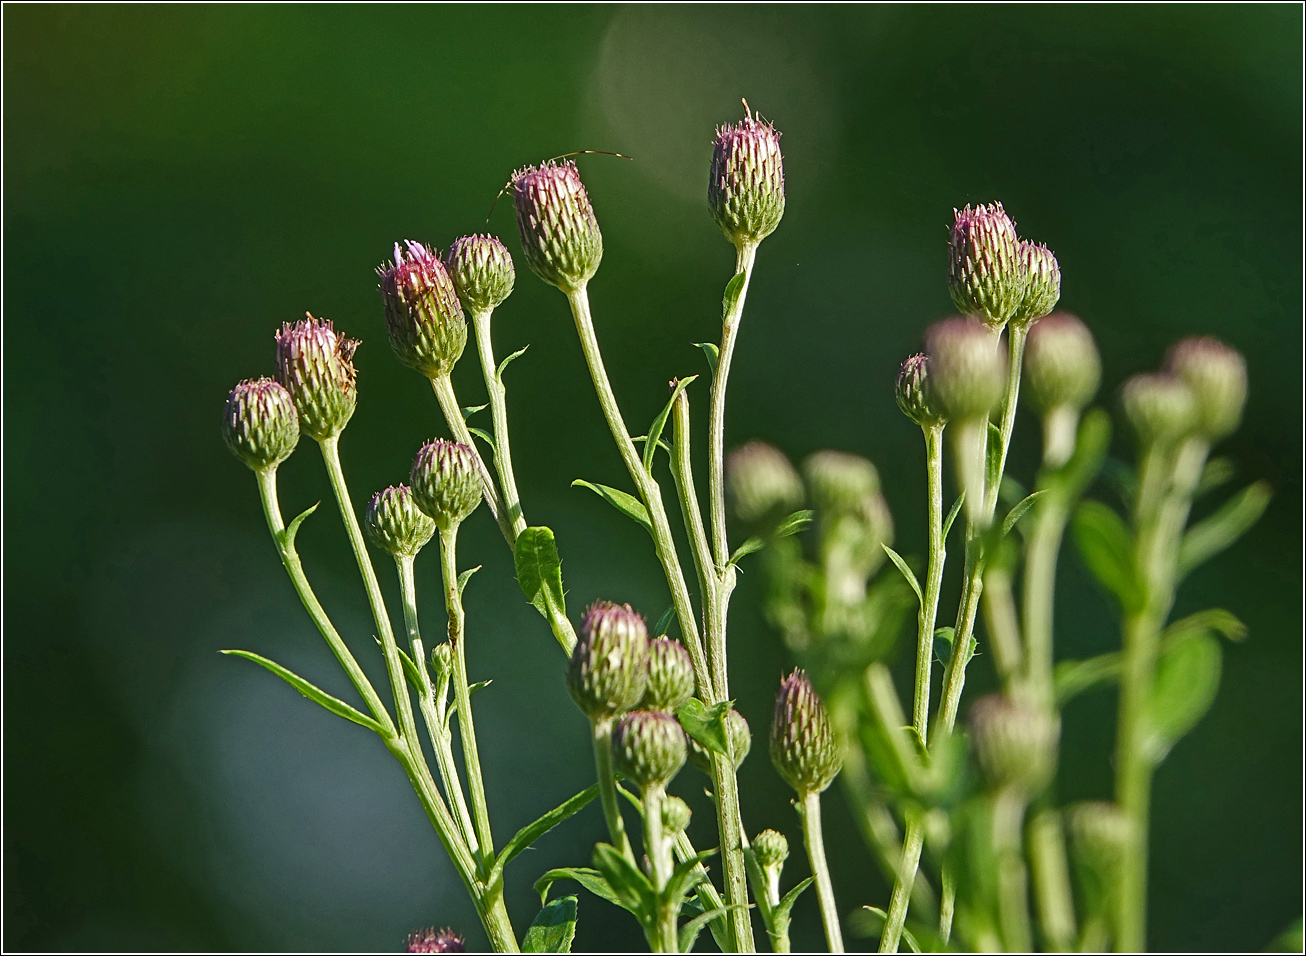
column 178, row 180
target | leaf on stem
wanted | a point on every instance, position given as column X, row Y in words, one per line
column 907, row 572
column 687, row 875
column 626, row 504
column 1107, row 548
column 410, row 670
column 707, row 725
column 873, row 922
column 484, row 436
column 533, row 831
column 553, row 929
column 780, row 913
column 313, row 692
column 664, row 622
column 1217, row 473
column 465, row 577
column 498, row 373
column 993, row 457
column 794, row 523
column 689, row 932
column 733, row 290
column 1215, row 620
column 943, row 638
column 631, row 886
column 712, row 351
column 1018, row 510
column 1210, row 536
column 952, row 515
column 592, row 880
column 539, row 571
column 288, row 536
column 1072, row 678
column 1187, row 679
column 659, row 423
column 470, row 410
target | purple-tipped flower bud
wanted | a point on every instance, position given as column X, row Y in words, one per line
column 445, row 481
column 648, row 747
column 670, row 676
column 395, row 524
column 966, row 371
column 260, row 424
column 315, row 364
column 771, row 848
column 985, row 274
column 763, row 485
column 481, row 270
column 1062, row 367
column 1042, row 283
column 675, row 815
column 426, row 324
column 746, row 185
column 1161, row 408
column 803, row 747
column 914, row 395
column 741, row 741
column 1016, row 744
column 559, row 232
column 1217, row 375
column 1099, row 834
column 608, row 671
column 433, row 940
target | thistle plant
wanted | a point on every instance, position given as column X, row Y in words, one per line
column 963, row 821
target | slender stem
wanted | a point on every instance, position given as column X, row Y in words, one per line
column 453, row 417
column 1003, row 626
column 879, row 829
column 947, row 902
column 929, row 608
column 1016, row 335
column 708, row 897
column 766, row 893
column 730, row 831
column 499, row 412
column 809, row 809
column 659, row 855
column 1013, row 910
column 1051, row 873
column 601, row 734
column 902, row 886
column 1050, row 516
column 682, row 471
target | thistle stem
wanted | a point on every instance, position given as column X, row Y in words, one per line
column 682, row 471
column 453, row 417
column 902, row 886
column 809, row 810
column 929, row 607
column 499, row 412
column 766, row 893
column 1051, row 873
column 601, row 735
column 659, row 855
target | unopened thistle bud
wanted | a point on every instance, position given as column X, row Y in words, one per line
column 481, row 270
column 1161, row 408
column 1016, row 744
column 913, row 392
column 395, row 524
column 670, row 676
column 1062, row 368
column 839, row 481
column 315, row 364
column 741, row 741
column 763, row 485
column 966, row 371
column 445, row 482
column 675, row 815
column 434, row 940
column 1042, row 283
column 426, row 324
column 260, row 424
column 1100, row 832
column 1217, row 375
column 648, row 747
column 746, row 185
column 985, row 273
column 608, row 671
column 559, row 232
column 803, row 747
column 771, row 848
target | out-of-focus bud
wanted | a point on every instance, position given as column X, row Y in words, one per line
column 445, row 482
column 648, row 747
column 741, row 741
column 746, row 185
column 434, row 940
column 1042, row 283
column 803, row 747
column 670, row 676
column 854, row 521
column 985, row 273
column 966, row 371
column 839, row 481
column 912, row 390
column 1016, row 744
column 260, row 424
column 559, row 232
column 675, row 815
column 1062, row 367
column 481, row 270
column 1099, row 834
column 763, row 485
column 1161, row 407
column 315, row 364
column 1217, row 375
column 771, row 849
column 608, row 671
column 426, row 324
column 395, row 524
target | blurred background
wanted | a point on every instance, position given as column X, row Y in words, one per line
column 178, row 181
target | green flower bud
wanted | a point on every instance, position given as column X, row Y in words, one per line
column 762, row 484
column 1217, row 375
column 967, row 374
column 395, row 524
column 771, row 849
column 608, row 671
column 1042, row 283
column 803, row 746
column 670, row 676
column 675, row 815
column 1062, row 368
column 426, row 324
column 854, row 521
column 260, row 424
column 436, row 941
column 985, row 273
column 741, row 741
column 648, row 747
column 1016, row 744
column 315, row 364
column 1099, row 835
column 1161, row 408
column 445, row 481
column 746, row 185
column 442, row 662
column 559, row 232
column 481, row 270
column 913, row 392
column 839, row 481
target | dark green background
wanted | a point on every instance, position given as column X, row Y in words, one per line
column 178, row 181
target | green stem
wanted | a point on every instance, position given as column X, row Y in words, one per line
column 902, row 886
column 499, row 413
column 682, row 471
column 708, row 897
column 659, row 854
column 601, row 735
column 730, row 830
column 1051, row 873
column 947, row 902
column 809, row 810
column 1013, row 910
column 929, row 608
column 453, row 417
column 1003, row 627
column 1049, row 525
column 766, row 893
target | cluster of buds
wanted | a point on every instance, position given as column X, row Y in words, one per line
column 746, row 184
column 1217, row 376
column 480, row 268
column 741, row 741
column 426, row 324
column 648, row 747
column 995, row 276
column 559, row 232
column 434, row 940
column 1016, row 744
column 854, row 521
column 803, row 745
column 608, row 671
column 395, row 523
column 315, row 364
column 912, row 390
column 446, row 483
column 763, row 486
column 260, row 424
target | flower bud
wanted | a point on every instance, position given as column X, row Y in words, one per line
column 608, row 671
column 435, row 941
column 803, row 747
column 315, row 364
column 260, row 424
column 1042, row 283
column 966, row 371
column 1099, row 834
column 559, row 233
column 746, row 184
column 771, row 849
column 675, row 815
column 481, row 270
column 1217, row 375
column 648, row 747
column 839, row 481
column 1161, row 408
column 985, row 273
column 913, row 392
column 445, row 481
column 395, row 524
column 1016, row 744
column 670, row 676
column 1062, row 367
column 763, row 485
column 426, row 324
column 741, row 741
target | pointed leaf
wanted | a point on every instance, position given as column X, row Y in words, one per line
column 1215, row 620
column 952, row 515
column 626, row 504
column 498, row 373
column 687, row 875
column 1218, row 472
column 592, row 880
column 712, row 352
column 483, row 435
column 533, row 831
column 993, row 457
column 1107, row 548
column 288, row 536
column 907, row 572
column 1212, row 535
column 1187, row 679
column 465, row 577
column 689, row 932
column 733, row 290
column 631, row 886
column 874, row 926
column 539, row 571
column 1018, row 510
column 410, row 670
column 707, row 725
column 782, row 909
column 943, row 638
column 655, row 430
column 312, row 692
column 664, row 622
column 745, row 549
column 470, row 410
column 1072, row 678
column 554, row 928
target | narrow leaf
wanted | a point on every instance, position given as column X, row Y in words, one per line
column 1187, row 679
column 712, row 352
column 782, row 909
column 592, row 880
column 410, row 670
column 793, row 523
column 993, row 457
column 952, row 515
column 1212, row 535
column 664, row 622
column 907, row 572
column 483, row 435
column 629, row 884
column 943, row 638
column 687, row 875
column 533, row 831
column 1072, row 678
column 626, row 504
column 707, row 725
column 655, row 430
column 470, row 410
column 539, row 571
column 554, row 928
column 1218, row 472
column 1216, row 620
column 465, row 577
column 288, row 536
column 1018, row 510
column 689, row 932
column 733, row 290
column 313, row 692
column 498, row 373
column 874, row 926
column 1107, row 548
column 745, row 549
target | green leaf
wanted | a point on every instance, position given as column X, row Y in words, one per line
column 592, row 880
column 687, row 875
column 745, row 549
column 993, row 457
column 1107, row 548
column 712, row 352
column 483, row 435
column 626, row 504
column 1072, row 678
column 733, row 290
column 655, row 430
column 1187, row 679
column 288, row 536
column 689, row 932
column 410, row 670
column 1217, row 473
column 465, row 577
column 874, row 926
column 470, row 410
column 664, row 622
column 554, row 928
column 952, row 515
column 312, row 692
column 1212, row 535
column 498, row 373
column 532, row 832
column 1018, row 510
column 907, row 573
column 628, row 883
column 794, row 523
column 943, row 638
column 1216, row 620
column 780, row 912
column 539, row 571
column 707, row 725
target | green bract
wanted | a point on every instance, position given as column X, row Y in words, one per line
column 1016, row 744
column 1161, row 408
column 608, row 672
column 670, row 676
column 912, row 392
column 1062, row 368
column 763, row 485
column 260, row 424
column 986, row 274
column 445, row 482
column 481, row 270
column 966, row 371
column 746, row 184
column 1217, row 375
column 648, row 747
column 395, row 524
